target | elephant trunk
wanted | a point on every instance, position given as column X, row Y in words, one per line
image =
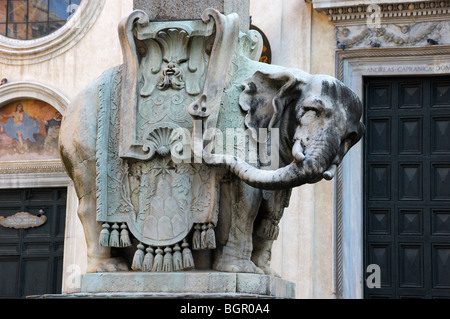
column 292, row 175
column 310, row 168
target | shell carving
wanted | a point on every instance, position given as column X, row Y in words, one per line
column 160, row 141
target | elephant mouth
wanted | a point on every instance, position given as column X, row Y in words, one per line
column 300, row 157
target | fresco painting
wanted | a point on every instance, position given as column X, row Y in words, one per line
column 29, row 130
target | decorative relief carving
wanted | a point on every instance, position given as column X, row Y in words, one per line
column 167, row 61
column 391, row 34
column 171, row 62
column 31, row 167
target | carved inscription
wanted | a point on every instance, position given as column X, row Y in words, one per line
column 22, row 221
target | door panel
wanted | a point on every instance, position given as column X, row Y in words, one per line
column 407, row 186
column 31, row 259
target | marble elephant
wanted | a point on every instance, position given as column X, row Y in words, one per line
column 318, row 120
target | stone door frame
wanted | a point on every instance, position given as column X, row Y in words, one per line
column 351, row 67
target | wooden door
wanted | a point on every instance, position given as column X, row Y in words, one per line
column 407, row 186
column 31, row 260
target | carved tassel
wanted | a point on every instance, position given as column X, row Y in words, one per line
column 203, row 242
column 196, row 238
column 148, row 260
column 188, row 260
column 177, row 258
column 138, row 258
column 211, row 237
column 114, row 237
column 124, row 236
column 158, row 261
column 104, row 235
column 168, row 262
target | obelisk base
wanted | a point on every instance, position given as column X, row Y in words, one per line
column 181, row 285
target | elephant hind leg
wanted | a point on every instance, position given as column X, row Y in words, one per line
column 98, row 258
column 77, row 145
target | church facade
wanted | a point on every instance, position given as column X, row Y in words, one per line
column 380, row 229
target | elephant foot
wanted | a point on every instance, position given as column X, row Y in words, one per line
column 270, row 272
column 233, row 264
column 106, row 265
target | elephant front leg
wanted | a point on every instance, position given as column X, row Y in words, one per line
column 262, row 251
column 267, row 229
column 241, row 202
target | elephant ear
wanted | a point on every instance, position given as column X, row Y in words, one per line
column 266, row 96
column 352, row 106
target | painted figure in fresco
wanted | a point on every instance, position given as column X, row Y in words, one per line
column 21, row 127
column 52, row 127
column 5, row 141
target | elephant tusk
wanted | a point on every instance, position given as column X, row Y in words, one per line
column 330, row 172
column 297, row 152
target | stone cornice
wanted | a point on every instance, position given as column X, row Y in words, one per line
column 31, row 167
column 358, row 12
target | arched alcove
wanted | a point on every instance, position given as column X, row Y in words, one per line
column 29, row 172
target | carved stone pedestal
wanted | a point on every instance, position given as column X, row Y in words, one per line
column 183, row 285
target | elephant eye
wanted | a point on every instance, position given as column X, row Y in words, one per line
column 317, row 110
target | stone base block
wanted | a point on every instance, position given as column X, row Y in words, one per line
column 184, row 285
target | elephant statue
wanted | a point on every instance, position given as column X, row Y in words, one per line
column 319, row 121
column 118, row 145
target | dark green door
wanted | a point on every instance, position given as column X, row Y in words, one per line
column 31, row 260
column 407, row 186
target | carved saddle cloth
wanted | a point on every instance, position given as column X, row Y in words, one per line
column 158, row 200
